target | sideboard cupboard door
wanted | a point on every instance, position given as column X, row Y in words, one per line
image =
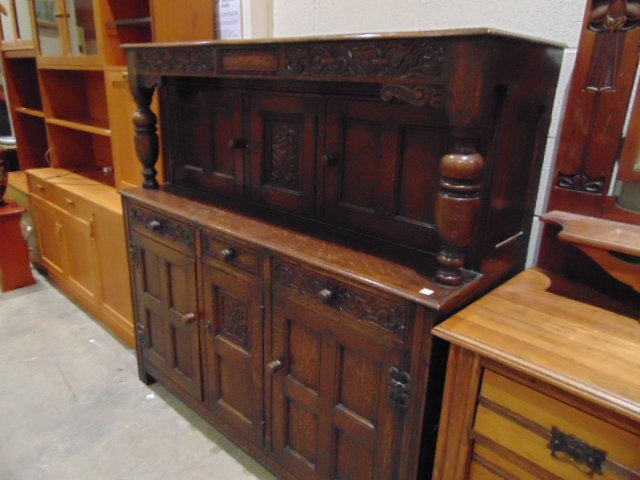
column 380, row 172
column 331, row 411
column 167, row 327
column 283, row 143
column 208, row 138
column 233, row 350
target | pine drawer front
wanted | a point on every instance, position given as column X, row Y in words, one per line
column 231, row 253
column 169, row 231
column 73, row 204
column 515, row 426
column 40, row 188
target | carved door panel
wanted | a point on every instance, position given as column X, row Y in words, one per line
column 207, row 139
column 233, row 350
column 332, row 416
column 166, row 322
column 379, row 168
column 283, row 146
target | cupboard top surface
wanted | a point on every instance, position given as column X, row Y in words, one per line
column 331, row 256
column 456, row 32
column 565, row 334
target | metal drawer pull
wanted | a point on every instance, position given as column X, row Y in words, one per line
column 187, row 318
column 228, row 254
column 326, row 295
column 587, row 458
column 275, row 365
column 154, row 225
column 69, row 201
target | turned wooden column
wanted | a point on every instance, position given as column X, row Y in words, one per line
column 457, row 205
column 146, row 137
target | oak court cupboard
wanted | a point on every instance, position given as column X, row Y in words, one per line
column 328, row 201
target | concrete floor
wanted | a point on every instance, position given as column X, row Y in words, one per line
column 72, row 408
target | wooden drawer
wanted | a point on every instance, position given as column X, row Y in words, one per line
column 72, row 203
column 519, row 429
column 229, row 251
column 167, row 230
column 40, row 187
column 389, row 314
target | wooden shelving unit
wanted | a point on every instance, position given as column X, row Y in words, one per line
column 72, row 111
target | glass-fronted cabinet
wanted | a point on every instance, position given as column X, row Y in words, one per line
column 15, row 21
column 66, row 32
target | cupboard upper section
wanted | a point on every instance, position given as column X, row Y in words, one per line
column 430, row 141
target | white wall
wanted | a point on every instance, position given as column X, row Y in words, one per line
column 559, row 20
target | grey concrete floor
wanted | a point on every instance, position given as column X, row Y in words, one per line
column 72, row 407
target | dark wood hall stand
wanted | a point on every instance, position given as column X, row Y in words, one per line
column 14, row 251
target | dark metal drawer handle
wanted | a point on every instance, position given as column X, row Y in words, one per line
column 228, row 254
column 326, row 295
column 587, row 458
column 155, row 225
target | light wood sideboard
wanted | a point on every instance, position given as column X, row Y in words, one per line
column 543, row 381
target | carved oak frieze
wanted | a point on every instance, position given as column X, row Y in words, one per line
column 383, row 59
column 432, row 95
column 175, row 60
column 357, row 303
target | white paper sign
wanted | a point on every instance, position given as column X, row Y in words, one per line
column 230, row 19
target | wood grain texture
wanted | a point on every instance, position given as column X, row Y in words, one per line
column 378, row 272
column 576, row 345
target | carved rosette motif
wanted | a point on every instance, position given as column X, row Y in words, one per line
column 175, row 60
column 233, row 318
column 283, row 167
column 385, row 59
column 165, row 228
column 364, row 306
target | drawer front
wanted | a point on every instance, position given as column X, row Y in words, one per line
column 73, row 204
column 169, row 231
column 525, row 429
column 229, row 251
column 389, row 314
column 40, row 187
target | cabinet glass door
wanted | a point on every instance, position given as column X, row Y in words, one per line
column 49, row 28
column 82, row 27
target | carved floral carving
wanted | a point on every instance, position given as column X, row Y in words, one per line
column 384, row 59
column 161, row 226
column 233, row 318
column 285, row 157
column 359, row 304
column 432, row 95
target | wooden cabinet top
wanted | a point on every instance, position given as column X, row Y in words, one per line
column 562, row 333
column 454, row 32
column 396, row 278
column 412, row 56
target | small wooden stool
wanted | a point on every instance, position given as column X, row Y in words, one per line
column 14, row 251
